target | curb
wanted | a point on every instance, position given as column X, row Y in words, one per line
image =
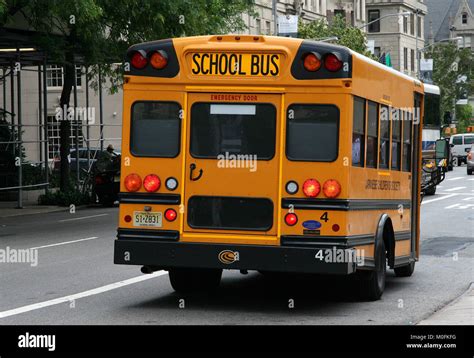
column 436, row 318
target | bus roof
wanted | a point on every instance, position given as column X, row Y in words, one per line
column 432, row 89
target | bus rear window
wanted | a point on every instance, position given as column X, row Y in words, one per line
column 312, row 132
column 155, row 129
column 234, row 128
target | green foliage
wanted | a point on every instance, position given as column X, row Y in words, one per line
column 464, row 115
column 348, row 36
column 100, row 31
column 64, row 198
column 449, row 65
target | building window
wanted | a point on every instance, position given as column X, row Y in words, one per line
column 373, row 16
column 54, row 136
column 467, row 42
column 372, row 135
column 464, row 18
column 405, row 58
column 412, row 55
column 55, row 76
column 405, row 24
column 340, row 13
column 412, row 24
column 418, row 26
column 268, row 29
column 258, row 26
column 358, row 132
column 377, row 52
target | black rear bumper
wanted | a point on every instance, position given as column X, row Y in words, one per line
column 168, row 254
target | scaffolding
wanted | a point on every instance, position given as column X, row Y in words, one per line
column 15, row 60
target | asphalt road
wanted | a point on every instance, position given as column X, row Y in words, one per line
column 76, row 282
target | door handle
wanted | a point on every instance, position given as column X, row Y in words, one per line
column 192, row 167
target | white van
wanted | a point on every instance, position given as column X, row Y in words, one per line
column 461, row 145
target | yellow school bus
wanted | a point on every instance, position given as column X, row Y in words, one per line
column 270, row 154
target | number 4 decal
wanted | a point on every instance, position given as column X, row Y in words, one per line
column 325, row 217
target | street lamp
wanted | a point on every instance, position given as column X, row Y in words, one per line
column 406, row 13
column 327, row 39
column 459, row 38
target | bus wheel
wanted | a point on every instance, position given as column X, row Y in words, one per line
column 431, row 191
column 405, row 271
column 186, row 280
column 372, row 283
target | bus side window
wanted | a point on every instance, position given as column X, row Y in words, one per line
column 384, row 137
column 155, row 129
column 372, row 135
column 358, row 132
column 396, row 138
column 407, row 129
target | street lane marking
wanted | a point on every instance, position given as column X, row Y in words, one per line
column 468, row 198
column 457, row 178
column 82, row 217
column 64, row 243
column 94, row 291
column 441, row 198
column 459, row 206
column 456, row 188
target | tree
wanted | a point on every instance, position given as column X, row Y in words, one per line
column 464, row 116
column 452, row 72
column 99, row 32
column 347, row 35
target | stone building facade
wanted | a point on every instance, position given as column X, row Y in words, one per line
column 400, row 36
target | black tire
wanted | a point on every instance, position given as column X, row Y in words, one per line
column 431, row 191
column 405, row 271
column 450, row 168
column 372, row 283
column 459, row 162
column 188, row 280
column 469, row 172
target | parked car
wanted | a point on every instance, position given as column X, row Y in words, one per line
column 107, row 178
column 461, row 145
column 470, row 160
column 84, row 162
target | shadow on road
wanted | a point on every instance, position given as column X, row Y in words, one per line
column 257, row 293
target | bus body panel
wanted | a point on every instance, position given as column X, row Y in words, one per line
column 348, row 222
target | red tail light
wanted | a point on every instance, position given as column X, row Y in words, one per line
column 311, row 188
column 170, row 215
column 127, row 218
column 312, row 62
column 159, row 60
column 133, row 182
column 291, row 219
column 139, row 60
column 469, row 155
column 332, row 62
column 331, row 188
column 151, row 183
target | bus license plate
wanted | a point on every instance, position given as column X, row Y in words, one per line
column 146, row 218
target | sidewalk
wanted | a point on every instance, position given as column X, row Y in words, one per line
column 8, row 209
column 458, row 312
